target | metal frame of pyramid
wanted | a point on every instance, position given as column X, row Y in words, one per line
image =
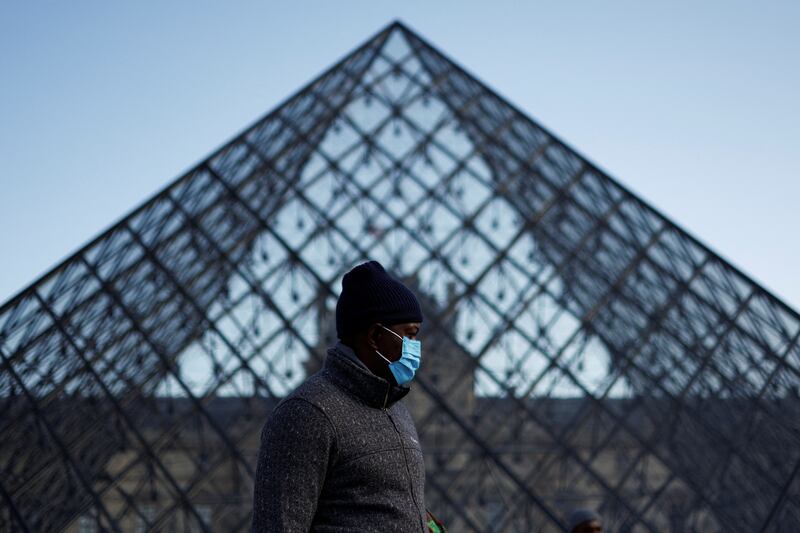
column 582, row 349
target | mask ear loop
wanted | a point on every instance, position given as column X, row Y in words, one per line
column 379, row 353
column 383, row 357
column 393, row 333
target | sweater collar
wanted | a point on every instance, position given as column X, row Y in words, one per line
column 358, row 381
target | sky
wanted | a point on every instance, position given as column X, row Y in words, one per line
column 691, row 105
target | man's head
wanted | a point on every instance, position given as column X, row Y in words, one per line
column 374, row 312
column 584, row 521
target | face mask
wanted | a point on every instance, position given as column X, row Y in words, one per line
column 404, row 368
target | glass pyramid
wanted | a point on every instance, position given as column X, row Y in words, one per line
column 582, row 349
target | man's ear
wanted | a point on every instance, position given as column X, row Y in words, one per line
column 372, row 332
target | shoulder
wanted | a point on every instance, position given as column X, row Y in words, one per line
column 295, row 411
column 308, row 403
column 319, row 391
column 295, row 420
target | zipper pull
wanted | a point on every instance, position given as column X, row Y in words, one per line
column 386, row 399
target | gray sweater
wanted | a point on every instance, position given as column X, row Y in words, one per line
column 340, row 454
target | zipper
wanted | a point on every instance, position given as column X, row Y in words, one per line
column 386, row 398
column 405, row 458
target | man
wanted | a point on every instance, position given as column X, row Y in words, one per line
column 341, row 452
column 584, row 521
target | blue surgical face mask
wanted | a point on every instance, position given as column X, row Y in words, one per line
column 404, row 368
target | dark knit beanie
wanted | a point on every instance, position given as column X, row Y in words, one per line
column 579, row 516
column 370, row 294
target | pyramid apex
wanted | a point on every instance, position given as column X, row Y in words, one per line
column 400, row 24
column 397, row 23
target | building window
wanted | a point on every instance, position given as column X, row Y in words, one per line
column 204, row 512
column 148, row 516
column 494, row 515
column 87, row 524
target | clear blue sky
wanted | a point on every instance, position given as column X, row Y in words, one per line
column 692, row 105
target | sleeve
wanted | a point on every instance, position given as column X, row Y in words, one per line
column 297, row 443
